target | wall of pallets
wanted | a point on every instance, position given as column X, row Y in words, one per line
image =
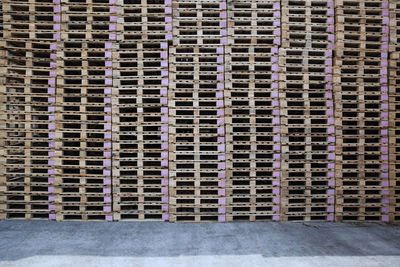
column 200, row 110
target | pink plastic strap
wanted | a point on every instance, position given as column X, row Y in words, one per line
column 168, row 37
column 108, row 81
column 106, row 163
column 276, row 208
column 168, row 27
column 277, row 41
column 107, row 209
column 112, row 27
column 107, row 190
column 56, row 27
column 221, row 166
column 276, row 174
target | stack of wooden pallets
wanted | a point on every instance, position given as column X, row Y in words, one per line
column 306, row 107
column 361, row 95
column 29, row 58
column 84, row 84
column 252, row 110
column 197, row 118
column 140, row 110
column 200, row 110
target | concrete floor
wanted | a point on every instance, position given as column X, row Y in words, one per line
column 41, row 243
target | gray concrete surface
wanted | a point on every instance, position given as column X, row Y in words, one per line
column 42, row 243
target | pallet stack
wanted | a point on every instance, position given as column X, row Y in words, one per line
column 84, row 84
column 197, row 117
column 394, row 111
column 361, row 94
column 31, row 29
column 140, row 110
column 306, row 106
column 252, row 110
column 200, row 110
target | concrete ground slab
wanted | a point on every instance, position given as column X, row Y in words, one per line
column 43, row 243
